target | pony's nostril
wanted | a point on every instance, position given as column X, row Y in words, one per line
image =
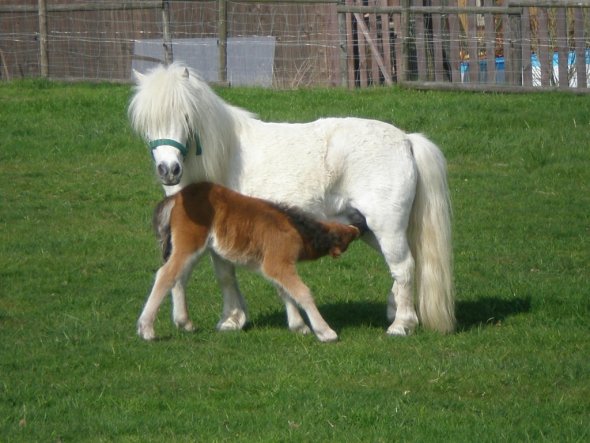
column 176, row 169
column 162, row 170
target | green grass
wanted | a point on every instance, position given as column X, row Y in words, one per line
column 77, row 258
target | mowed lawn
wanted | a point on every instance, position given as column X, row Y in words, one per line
column 77, row 259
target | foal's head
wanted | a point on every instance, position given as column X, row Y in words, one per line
column 345, row 234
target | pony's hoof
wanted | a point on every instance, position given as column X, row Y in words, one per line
column 398, row 330
column 234, row 322
column 327, row 336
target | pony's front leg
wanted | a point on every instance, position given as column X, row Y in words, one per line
column 234, row 306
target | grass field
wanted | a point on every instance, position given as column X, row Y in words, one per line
column 77, row 258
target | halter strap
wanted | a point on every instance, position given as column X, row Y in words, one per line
column 182, row 148
column 168, row 142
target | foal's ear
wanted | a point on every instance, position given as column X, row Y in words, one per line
column 138, row 76
column 335, row 251
column 185, row 74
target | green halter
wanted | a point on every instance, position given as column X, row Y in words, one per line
column 182, row 148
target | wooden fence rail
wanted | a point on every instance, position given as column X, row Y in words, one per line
column 522, row 44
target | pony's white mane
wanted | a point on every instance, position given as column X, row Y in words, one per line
column 166, row 98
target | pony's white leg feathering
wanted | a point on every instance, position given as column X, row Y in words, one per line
column 430, row 238
column 235, row 312
column 400, row 310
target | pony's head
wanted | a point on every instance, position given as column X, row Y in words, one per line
column 163, row 112
column 176, row 112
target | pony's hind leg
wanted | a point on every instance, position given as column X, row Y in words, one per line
column 400, row 307
column 234, row 306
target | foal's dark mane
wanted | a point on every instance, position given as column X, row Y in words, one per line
column 315, row 233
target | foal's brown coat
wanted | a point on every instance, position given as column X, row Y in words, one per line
column 246, row 231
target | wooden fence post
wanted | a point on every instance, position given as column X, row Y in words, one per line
column 562, row 47
column 222, row 39
column 490, row 44
column 404, row 31
column 168, row 55
column 343, row 42
column 580, row 48
column 44, row 63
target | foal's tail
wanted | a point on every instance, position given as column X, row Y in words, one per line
column 430, row 238
column 161, row 223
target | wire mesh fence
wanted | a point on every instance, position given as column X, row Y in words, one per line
column 458, row 43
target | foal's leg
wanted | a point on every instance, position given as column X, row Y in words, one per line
column 174, row 273
column 294, row 319
column 287, row 280
column 180, row 314
column 234, row 306
column 165, row 278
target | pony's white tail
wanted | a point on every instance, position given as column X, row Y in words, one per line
column 430, row 238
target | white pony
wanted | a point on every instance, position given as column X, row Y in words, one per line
column 332, row 167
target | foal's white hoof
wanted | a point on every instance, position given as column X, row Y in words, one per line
column 327, row 336
column 301, row 329
column 186, row 325
column 146, row 332
column 234, row 322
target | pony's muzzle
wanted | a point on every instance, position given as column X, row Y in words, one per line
column 169, row 174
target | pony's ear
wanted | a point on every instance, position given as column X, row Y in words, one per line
column 185, row 74
column 138, row 76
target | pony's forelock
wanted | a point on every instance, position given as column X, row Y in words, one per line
column 165, row 98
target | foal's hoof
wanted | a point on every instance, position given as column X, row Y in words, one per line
column 301, row 329
column 146, row 332
column 327, row 336
column 187, row 326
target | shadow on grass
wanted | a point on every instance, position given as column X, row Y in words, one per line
column 338, row 315
column 489, row 311
column 486, row 311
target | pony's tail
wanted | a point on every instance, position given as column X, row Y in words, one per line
column 161, row 223
column 430, row 238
